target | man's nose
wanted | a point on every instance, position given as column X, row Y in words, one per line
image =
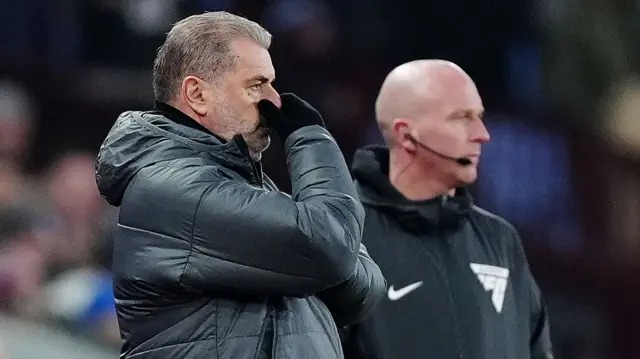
column 273, row 96
column 481, row 134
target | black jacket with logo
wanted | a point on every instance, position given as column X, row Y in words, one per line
column 459, row 286
column 212, row 261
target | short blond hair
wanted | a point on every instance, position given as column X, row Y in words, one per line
column 199, row 46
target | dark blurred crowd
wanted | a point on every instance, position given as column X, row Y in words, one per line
column 70, row 67
column 54, row 232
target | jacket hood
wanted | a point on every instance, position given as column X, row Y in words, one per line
column 371, row 173
column 140, row 139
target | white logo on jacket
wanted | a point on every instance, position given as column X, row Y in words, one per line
column 397, row 294
column 494, row 279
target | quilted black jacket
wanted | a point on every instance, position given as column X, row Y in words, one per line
column 212, row 261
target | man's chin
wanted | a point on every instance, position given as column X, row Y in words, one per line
column 469, row 176
column 256, row 151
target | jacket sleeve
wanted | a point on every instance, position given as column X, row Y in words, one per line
column 540, row 337
column 250, row 241
column 352, row 301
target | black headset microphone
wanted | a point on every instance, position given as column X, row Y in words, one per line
column 463, row 161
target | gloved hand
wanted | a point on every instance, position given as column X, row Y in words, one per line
column 294, row 114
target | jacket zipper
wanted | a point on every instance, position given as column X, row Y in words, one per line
column 445, row 279
column 242, row 145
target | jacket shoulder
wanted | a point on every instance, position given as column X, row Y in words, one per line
column 166, row 191
column 492, row 224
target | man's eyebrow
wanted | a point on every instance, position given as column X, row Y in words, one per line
column 467, row 112
column 260, row 79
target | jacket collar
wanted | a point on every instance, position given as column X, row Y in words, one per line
column 371, row 168
column 233, row 154
column 181, row 118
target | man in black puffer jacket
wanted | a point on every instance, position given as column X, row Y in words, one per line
column 210, row 259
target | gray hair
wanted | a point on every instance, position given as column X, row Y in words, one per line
column 199, row 46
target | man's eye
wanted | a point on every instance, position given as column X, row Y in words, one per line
column 256, row 86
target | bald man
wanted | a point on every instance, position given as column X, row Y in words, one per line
column 459, row 285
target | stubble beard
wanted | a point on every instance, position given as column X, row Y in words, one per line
column 257, row 140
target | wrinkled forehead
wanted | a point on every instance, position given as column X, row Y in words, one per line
column 252, row 59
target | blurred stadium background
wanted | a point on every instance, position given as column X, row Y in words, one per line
column 560, row 80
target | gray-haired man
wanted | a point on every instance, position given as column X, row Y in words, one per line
column 210, row 259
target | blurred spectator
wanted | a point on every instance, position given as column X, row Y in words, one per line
column 22, row 262
column 54, row 229
column 77, row 213
column 74, row 226
column 622, row 124
column 149, row 17
column 16, row 125
column 16, row 122
column 82, row 299
column 591, row 45
column 11, row 184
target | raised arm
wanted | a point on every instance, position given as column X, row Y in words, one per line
column 253, row 241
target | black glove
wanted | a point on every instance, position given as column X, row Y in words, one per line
column 294, row 114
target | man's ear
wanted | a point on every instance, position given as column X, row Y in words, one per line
column 193, row 92
column 402, row 135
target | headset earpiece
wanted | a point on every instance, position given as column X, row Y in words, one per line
column 411, row 139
